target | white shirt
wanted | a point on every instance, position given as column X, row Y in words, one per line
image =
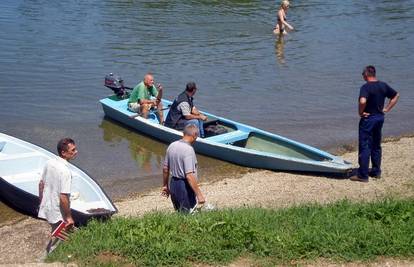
column 57, row 180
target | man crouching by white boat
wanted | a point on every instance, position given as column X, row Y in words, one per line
column 181, row 162
column 55, row 187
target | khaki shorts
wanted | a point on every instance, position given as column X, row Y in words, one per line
column 134, row 107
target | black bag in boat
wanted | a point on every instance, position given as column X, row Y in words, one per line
column 214, row 129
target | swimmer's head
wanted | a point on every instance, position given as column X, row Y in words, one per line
column 284, row 4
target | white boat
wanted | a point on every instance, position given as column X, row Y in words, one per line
column 21, row 165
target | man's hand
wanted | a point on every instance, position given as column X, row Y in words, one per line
column 364, row 114
column 159, row 95
column 69, row 222
column 165, row 191
column 194, row 185
column 159, row 87
column 203, row 117
column 200, row 199
column 154, row 103
column 41, row 188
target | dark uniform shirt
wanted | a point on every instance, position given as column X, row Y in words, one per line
column 375, row 93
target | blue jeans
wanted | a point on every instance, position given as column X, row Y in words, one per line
column 182, row 195
column 370, row 145
column 198, row 123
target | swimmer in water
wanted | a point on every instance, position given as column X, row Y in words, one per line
column 282, row 24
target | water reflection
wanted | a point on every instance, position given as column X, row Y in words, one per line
column 146, row 152
column 279, row 48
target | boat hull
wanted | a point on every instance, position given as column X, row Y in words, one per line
column 21, row 164
column 227, row 149
column 28, row 204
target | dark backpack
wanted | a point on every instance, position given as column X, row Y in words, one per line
column 214, row 129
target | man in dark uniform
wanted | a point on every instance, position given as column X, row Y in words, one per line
column 371, row 110
column 183, row 111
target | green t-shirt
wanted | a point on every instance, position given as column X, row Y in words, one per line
column 141, row 92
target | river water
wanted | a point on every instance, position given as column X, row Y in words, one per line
column 55, row 54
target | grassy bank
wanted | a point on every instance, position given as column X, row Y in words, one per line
column 342, row 231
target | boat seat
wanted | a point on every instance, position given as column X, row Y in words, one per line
column 21, row 163
column 152, row 115
column 19, row 155
column 229, row 138
column 32, row 176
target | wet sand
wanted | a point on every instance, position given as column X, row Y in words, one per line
column 23, row 241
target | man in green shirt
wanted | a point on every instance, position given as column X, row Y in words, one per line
column 140, row 99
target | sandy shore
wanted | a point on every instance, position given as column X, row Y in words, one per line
column 24, row 241
column 278, row 189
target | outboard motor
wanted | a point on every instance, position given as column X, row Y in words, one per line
column 116, row 84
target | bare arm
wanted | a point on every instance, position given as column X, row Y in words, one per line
column 65, row 206
column 195, row 114
column 41, row 187
column 159, row 95
column 361, row 107
column 391, row 103
column 194, row 185
column 283, row 21
column 195, row 111
column 165, row 177
column 198, row 117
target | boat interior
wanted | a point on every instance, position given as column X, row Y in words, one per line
column 224, row 132
column 260, row 142
column 22, row 167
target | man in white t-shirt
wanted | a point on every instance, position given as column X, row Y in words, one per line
column 55, row 187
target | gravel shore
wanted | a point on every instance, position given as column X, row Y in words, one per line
column 260, row 188
column 23, row 241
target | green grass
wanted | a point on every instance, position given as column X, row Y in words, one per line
column 340, row 232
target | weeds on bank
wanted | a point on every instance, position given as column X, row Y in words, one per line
column 342, row 231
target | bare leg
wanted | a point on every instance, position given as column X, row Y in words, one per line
column 144, row 110
column 160, row 113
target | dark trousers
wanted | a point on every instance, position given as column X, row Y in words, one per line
column 370, row 145
column 182, row 195
column 53, row 240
